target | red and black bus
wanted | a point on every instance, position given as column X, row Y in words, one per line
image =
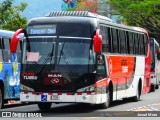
column 81, row 57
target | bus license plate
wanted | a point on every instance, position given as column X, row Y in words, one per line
column 54, row 97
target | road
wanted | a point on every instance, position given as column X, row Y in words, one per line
column 149, row 102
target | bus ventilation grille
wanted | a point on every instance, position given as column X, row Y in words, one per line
column 77, row 13
column 68, row 13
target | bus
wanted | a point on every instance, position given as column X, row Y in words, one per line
column 82, row 57
column 9, row 70
column 155, row 65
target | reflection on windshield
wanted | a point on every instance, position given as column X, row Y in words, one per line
column 43, row 48
column 74, row 53
column 64, row 51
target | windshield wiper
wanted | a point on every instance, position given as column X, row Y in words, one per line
column 49, row 57
column 62, row 54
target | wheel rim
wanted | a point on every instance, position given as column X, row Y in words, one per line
column 108, row 98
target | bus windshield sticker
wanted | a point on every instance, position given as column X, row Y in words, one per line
column 32, row 56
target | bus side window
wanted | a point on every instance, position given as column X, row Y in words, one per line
column 122, row 41
column 6, row 50
column 19, row 51
column 156, row 49
column 145, row 44
column 131, row 43
column 142, row 48
column 127, row 42
column 136, row 41
column 1, row 48
column 105, row 39
column 115, row 41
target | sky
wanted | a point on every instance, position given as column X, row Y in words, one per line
column 37, row 8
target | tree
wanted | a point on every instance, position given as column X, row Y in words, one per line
column 86, row 5
column 141, row 13
column 10, row 17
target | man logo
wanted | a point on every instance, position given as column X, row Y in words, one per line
column 55, row 81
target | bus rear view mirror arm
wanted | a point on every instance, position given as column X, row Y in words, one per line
column 14, row 40
column 97, row 42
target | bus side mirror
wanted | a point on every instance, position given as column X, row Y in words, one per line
column 15, row 40
column 158, row 56
column 97, row 42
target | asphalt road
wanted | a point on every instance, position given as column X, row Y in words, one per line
column 149, row 102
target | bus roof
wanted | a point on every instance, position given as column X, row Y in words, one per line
column 8, row 34
column 81, row 16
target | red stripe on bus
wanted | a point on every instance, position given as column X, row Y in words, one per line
column 59, row 93
column 89, row 93
column 69, row 93
column 50, row 93
column 79, row 93
column 41, row 93
column 25, row 92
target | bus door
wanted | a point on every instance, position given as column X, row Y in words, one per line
column 102, row 74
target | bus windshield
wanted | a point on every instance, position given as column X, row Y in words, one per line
column 41, row 51
column 65, row 51
column 74, row 51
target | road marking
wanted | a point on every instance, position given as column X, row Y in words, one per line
column 151, row 107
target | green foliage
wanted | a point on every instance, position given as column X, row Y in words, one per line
column 142, row 13
column 10, row 17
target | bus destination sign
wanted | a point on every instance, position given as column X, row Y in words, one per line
column 42, row 29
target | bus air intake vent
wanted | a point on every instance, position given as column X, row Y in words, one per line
column 68, row 13
column 77, row 13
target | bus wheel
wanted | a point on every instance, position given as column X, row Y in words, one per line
column 137, row 97
column 1, row 99
column 108, row 100
column 157, row 87
column 44, row 106
column 152, row 88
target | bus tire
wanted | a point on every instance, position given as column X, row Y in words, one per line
column 152, row 88
column 108, row 97
column 138, row 95
column 157, row 87
column 44, row 106
column 1, row 98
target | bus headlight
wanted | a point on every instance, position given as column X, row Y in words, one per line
column 87, row 89
column 23, row 87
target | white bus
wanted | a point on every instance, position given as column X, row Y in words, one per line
column 155, row 65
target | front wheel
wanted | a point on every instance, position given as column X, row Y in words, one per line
column 108, row 100
column 44, row 106
column 1, row 99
